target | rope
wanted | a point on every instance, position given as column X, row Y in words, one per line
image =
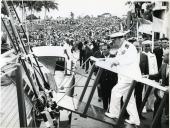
column 73, row 71
column 10, row 78
column 7, row 72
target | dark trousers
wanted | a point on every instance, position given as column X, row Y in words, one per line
column 87, row 64
column 106, row 94
column 81, row 56
column 99, row 91
column 138, row 95
column 106, row 88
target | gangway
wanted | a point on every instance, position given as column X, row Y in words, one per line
column 91, row 111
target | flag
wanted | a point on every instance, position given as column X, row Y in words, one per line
column 145, row 26
column 157, row 24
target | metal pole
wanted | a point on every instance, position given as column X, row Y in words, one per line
column 86, row 84
column 152, row 40
column 145, row 99
column 159, row 111
column 20, row 96
column 12, row 25
column 92, row 90
column 47, row 86
column 29, row 77
column 19, row 20
column 17, row 50
column 22, row 61
column 137, row 29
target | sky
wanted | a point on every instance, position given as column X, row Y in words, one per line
column 87, row 7
column 91, row 7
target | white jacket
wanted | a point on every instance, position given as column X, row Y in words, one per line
column 128, row 67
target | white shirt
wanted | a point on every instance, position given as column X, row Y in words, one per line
column 144, row 5
column 68, row 48
column 153, row 67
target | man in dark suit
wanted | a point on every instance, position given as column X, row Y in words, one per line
column 162, row 75
column 81, row 52
column 98, row 54
column 88, row 53
column 158, row 51
column 143, row 64
column 107, row 80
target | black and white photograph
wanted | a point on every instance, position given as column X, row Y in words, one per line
column 84, row 64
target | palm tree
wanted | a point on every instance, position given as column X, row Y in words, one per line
column 34, row 6
column 49, row 5
column 3, row 9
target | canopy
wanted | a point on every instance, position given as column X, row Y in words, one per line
column 48, row 55
column 49, row 51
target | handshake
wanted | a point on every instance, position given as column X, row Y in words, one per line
column 145, row 76
column 111, row 61
column 96, row 59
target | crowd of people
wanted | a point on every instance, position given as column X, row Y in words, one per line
column 56, row 31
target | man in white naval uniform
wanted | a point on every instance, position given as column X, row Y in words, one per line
column 127, row 64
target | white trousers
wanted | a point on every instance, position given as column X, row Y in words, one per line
column 119, row 90
column 69, row 66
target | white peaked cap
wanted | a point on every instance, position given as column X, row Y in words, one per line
column 118, row 34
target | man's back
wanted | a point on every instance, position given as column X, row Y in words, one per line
column 80, row 45
column 164, row 75
column 143, row 63
column 158, row 53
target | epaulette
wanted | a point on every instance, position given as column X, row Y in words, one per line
column 123, row 52
column 127, row 46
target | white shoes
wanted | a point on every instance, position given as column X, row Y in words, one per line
column 110, row 115
column 144, row 110
column 130, row 122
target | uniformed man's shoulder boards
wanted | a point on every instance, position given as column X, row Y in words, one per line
column 127, row 46
column 123, row 52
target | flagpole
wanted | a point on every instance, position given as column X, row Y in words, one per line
column 137, row 30
column 152, row 40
